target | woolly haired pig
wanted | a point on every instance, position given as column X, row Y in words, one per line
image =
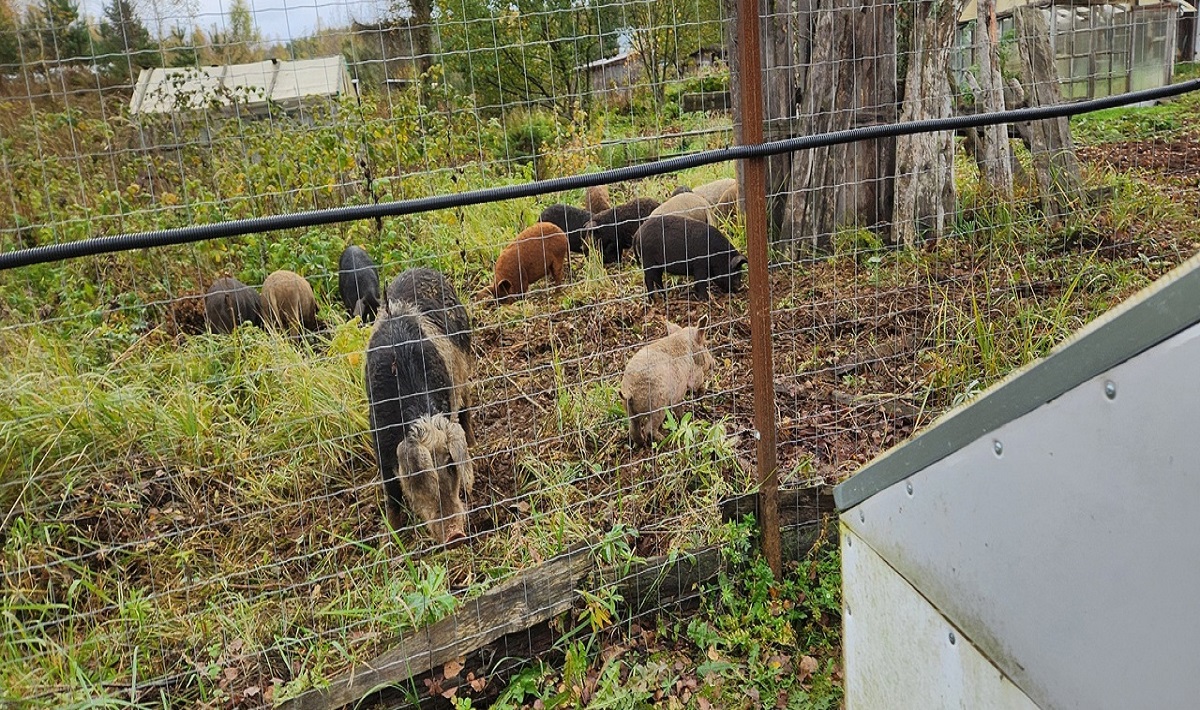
column 416, row 376
column 612, row 230
column 660, row 375
column 722, row 194
column 595, row 199
column 688, row 247
column 571, row 220
column 539, row 251
column 288, row 302
column 685, row 204
column 229, row 303
column 358, row 283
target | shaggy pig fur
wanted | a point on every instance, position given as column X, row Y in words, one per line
column 288, row 302
column 612, row 230
column 358, row 283
column 722, row 194
column 596, row 199
column 685, row 204
column 660, row 375
column 436, row 300
column 537, row 252
column 416, row 379
column 687, row 247
column 571, row 220
column 229, row 303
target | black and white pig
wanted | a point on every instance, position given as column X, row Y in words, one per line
column 416, row 376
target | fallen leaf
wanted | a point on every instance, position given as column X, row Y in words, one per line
column 450, row 694
column 808, row 666
column 251, row 691
column 453, row 668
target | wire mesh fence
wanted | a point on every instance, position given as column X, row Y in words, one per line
column 258, row 470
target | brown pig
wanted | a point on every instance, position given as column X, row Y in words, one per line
column 596, row 199
column 288, row 302
column 537, row 252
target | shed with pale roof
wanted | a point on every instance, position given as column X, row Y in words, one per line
column 241, row 89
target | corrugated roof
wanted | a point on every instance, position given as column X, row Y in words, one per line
column 165, row 90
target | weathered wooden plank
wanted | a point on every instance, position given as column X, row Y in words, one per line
column 529, row 598
column 803, row 515
column 645, row 587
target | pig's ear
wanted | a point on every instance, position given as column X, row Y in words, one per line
column 701, row 326
column 456, row 441
column 503, row 287
column 672, row 328
column 416, row 467
column 736, row 263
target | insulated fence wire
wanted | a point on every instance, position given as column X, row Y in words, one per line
column 220, row 230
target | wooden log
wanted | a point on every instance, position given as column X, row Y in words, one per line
column 651, row 586
column 516, row 605
column 1056, row 167
column 490, row 633
column 924, row 194
column 803, row 513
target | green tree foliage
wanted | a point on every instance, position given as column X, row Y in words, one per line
column 240, row 41
column 524, row 51
column 54, row 32
column 179, row 49
column 125, row 45
column 666, row 32
column 10, row 48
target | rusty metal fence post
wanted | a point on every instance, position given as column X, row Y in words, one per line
column 754, row 194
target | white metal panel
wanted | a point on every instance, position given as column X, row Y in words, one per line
column 899, row 652
column 251, row 82
column 309, row 77
column 1066, row 543
column 169, row 89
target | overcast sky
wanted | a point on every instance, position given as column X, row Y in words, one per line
column 278, row 20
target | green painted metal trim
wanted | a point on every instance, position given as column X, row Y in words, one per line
column 1154, row 314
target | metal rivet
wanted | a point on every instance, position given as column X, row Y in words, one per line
column 862, row 517
column 998, row 447
column 849, row 541
column 1110, row 389
column 952, row 639
column 908, row 487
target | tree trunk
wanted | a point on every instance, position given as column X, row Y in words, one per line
column 925, row 161
column 1055, row 165
column 422, row 21
column 781, row 39
column 994, row 154
column 850, row 81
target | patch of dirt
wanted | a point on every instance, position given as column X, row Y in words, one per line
column 1175, row 157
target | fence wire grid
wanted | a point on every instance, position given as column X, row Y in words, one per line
column 192, row 511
